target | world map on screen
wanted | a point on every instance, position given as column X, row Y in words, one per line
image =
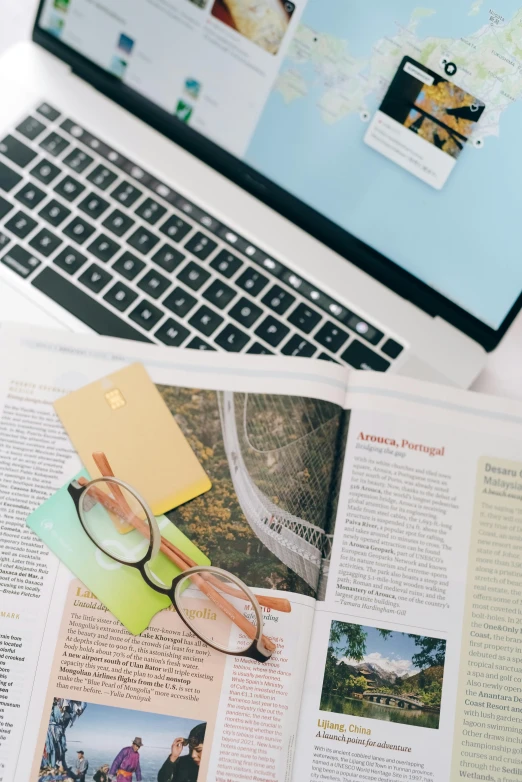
column 488, row 61
column 313, row 137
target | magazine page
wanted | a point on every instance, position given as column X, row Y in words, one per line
column 415, row 665
column 77, row 688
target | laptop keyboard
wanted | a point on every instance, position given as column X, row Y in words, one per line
column 132, row 258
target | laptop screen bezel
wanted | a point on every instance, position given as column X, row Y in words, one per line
column 383, row 269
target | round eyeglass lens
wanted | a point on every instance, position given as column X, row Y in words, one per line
column 116, row 520
column 218, row 609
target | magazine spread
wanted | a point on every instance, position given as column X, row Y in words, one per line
column 385, row 510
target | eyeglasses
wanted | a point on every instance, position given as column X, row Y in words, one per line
column 214, row 604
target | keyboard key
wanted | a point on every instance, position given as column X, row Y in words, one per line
column 8, row 177
column 120, row 296
column 252, row 281
column 199, row 344
column 102, row 177
column 197, row 214
column 272, row 331
column 48, row 111
column 95, row 278
column 5, row 207
column 331, row 336
column 193, row 275
column 78, row 160
column 392, row 348
column 245, row 312
column 175, row 228
column 168, row 258
column 45, row 171
column 135, row 171
column 30, row 195
column 200, row 246
column 103, row 248
column 151, row 211
column 54, row 144
column 326, row 357
column 74, row 130
column 31, row 128
column 278, row 299
column 93, row 205
column 146, row 314
column 180, row 302
column 258, row 349
column 323, row 301
column 20, row 261
column 21, row 224
column 143, row 240
column 45, row 242
column 104, row 151
column 70, row 260
column 128, row 265
column 305, row 318
column 232, row 339
column 172, row 333
column 226, row 263
column 205, row 320
column 79, row 230
column 69, row 188
column 297, row 346
column 219, row 294
column 163, row 190
column 4, row 240
column 274, row 267
column 54, row 212
column 16, row 151
column 361, row 357
column 126, row 193
column 83, row 307
column 363, row 328
column 118, row 222
column 154, row 283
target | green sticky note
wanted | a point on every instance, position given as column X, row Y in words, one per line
column 119, row 587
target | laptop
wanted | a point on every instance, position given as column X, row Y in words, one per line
column 322, row 179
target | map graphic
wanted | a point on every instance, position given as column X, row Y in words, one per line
column 489, row 63
column 310, row 139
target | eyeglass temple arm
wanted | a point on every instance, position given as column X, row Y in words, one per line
column 275, row 603
column 229, row 610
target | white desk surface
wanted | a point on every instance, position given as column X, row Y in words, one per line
column 503, row 374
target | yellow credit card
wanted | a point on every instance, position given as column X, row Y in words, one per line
column 124, row 416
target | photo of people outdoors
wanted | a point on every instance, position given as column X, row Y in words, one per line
column 383, row 675
column 86, row 741
column 275, row 472
column 263, row 22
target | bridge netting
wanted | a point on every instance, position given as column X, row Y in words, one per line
column 281, row 453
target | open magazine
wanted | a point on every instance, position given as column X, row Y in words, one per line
column 387, row 511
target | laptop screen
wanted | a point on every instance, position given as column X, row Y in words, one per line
column 398, row 123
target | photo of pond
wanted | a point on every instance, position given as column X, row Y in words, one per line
column 385, row 675
column 362, row 708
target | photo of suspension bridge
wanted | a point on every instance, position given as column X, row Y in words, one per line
column 275, row 464
column 383, row 675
